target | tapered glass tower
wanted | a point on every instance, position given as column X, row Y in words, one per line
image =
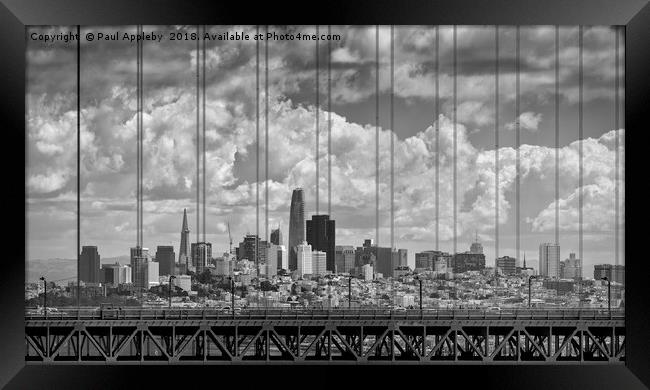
column 296, row 226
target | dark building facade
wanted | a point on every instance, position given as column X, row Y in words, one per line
column 201, row 255
column 296, row 226
column 165, row 257
column 507, row 264
column 276, row 237
column 614, row 273
column 89, row 265
column 427, row 259
column 321, row 236
column 463, row 262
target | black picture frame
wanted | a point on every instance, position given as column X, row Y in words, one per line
column 16, row 14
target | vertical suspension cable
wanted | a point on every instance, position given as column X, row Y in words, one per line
column 377, row 136
column 392, row 139
column 204, row 166
column 496, row 143
column 317, row 154
column 329, row 122
column 580, row 148
column 198, row 140
column 557, row 135
column 517, row 147
column 137, row 140
column 616, row 153
column 78, row 167
column 141, row 144
column 455, row 141
column 437, row 130
column 257, row 145
column 622, row 158
column 266, row 137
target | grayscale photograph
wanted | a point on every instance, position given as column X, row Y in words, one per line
column 210, row 194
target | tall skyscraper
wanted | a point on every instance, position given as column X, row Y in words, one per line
column 283, row 259
column 166, row 257
column 321, row 236
column 271, row 260
column 139, row 258
column 296, row 226
column 276, row 236
column 549, row 260
column 303, row 257
column 201, row 255
column 184, row 250
column 89, row 265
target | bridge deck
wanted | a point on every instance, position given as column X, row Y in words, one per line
column 189, row 336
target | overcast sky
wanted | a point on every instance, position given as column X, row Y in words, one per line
column 108, row 127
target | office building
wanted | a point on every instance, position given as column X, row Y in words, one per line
column 276, row 236
column 614, row 273
column 201, row 255
column 139, row 258
column 89, row 265
column 549, row 260
column 152, row 272
column 571, row 268
column 399, row 258
column 304, row 258
column 271, row 258
column 467, row 261
column 344, row 258
column 184, row 250
column 283, row 258
column 367, row 272
column 116, row 274
column 296, row 226
column 319, row 263
column 506, row 265
column 320, row 234
column 427, row 259
column 166, row 259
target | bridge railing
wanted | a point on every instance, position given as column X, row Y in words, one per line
column 320, row 314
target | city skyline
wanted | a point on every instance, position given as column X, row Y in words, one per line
column 108, row 162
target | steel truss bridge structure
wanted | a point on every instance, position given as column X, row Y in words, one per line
column 180, row 336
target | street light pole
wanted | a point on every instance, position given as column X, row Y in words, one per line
column 44, row 295
column 170, row 289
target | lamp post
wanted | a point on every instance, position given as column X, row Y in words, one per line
column 170, row 289
column 609, row 294
column 44, row 295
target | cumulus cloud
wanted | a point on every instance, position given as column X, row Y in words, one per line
column 232, row 185
column 527, row 121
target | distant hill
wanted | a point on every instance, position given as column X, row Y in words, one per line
column 57, row 269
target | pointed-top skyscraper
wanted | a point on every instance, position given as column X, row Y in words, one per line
column 184, row 250
column 296, row 226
